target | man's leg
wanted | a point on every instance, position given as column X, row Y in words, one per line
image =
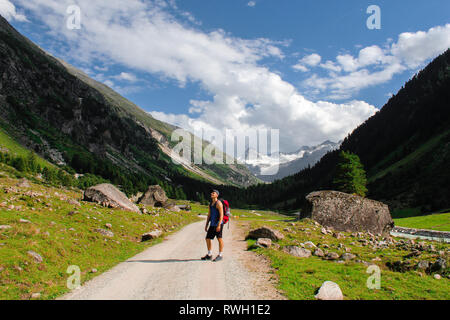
column 220, row 246
column 208, row 244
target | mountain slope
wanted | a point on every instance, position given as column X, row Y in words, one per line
column 76, row 121
column 405, row 148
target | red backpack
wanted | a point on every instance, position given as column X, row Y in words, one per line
column 226, row 211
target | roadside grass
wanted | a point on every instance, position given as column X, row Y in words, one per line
column 300, row 278
column 438, row 221
column 64, row 239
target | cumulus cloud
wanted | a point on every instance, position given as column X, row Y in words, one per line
column 251, row 3
column 311, row 60
column 147, row 37
column 8, row 11
column 374, row 65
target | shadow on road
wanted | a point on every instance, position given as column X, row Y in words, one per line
column 164, row 261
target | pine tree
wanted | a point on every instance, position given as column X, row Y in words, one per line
column 350, row 175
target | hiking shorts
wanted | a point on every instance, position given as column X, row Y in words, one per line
column 212, row 233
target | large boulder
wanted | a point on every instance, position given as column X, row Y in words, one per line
column 154, row 196
column 329, row 291
column 109, row 196
column 346, row 212
column 265, row 232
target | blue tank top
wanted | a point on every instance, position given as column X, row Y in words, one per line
column 215, row 215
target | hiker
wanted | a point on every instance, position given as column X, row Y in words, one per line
column 215, row 220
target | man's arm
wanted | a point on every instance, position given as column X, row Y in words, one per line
column 207, row 219
column 220, row 208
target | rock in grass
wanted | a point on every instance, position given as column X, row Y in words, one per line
column 108, row 225
column 318, row 252
column 106, row 233
column 297, row 251
column 346, row 212
column 36, row 295
column 264, row 242
column 109, row 196
column 347, row 256
column 151, row 235
column 438, row 266
column 331, row 256
column 265, row 232
column 24, row 221
column 155, row 196
column 329, row 291
column 74, row 202
column 437, row 276
column 310, row 245
column 36, row 256
column 423, row 265
column 5, row 227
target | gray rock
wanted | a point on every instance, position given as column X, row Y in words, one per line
column 329, row 291
column 151, row 235
column 24, row 221
column 5, row 227
column 438, row 266
column 297, row 251
column 264, row 242
column 310, row 245
column 318, row 252
column 106, row 233
column 331, row 256
column 74, row 202
column 109, row 196
column 36, row 256
column 423, row 265
column 437, row 276
column 154, row 196
column 36, row 295
column 347, row 256
column 265, row 232
column 346, row 212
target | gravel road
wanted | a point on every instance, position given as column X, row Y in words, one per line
column 173, row 270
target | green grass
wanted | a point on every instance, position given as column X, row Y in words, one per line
column 15, row 148
column 439, row 221
column 63, row 240
column 300, row 278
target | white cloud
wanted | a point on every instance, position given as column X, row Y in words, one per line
column 144, row 36
column 8, row 11
column 251, row 3
column 126, row 76
column 375, row 65
column 311, row 60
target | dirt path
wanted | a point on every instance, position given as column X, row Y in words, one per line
column 172, row 270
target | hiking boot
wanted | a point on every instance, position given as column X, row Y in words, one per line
column 218, row 258
column 207, row 257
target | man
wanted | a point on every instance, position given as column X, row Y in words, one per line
column 215, row 220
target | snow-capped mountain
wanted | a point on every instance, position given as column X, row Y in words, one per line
column 276, row 166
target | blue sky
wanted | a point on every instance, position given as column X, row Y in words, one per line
column 309, row 68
